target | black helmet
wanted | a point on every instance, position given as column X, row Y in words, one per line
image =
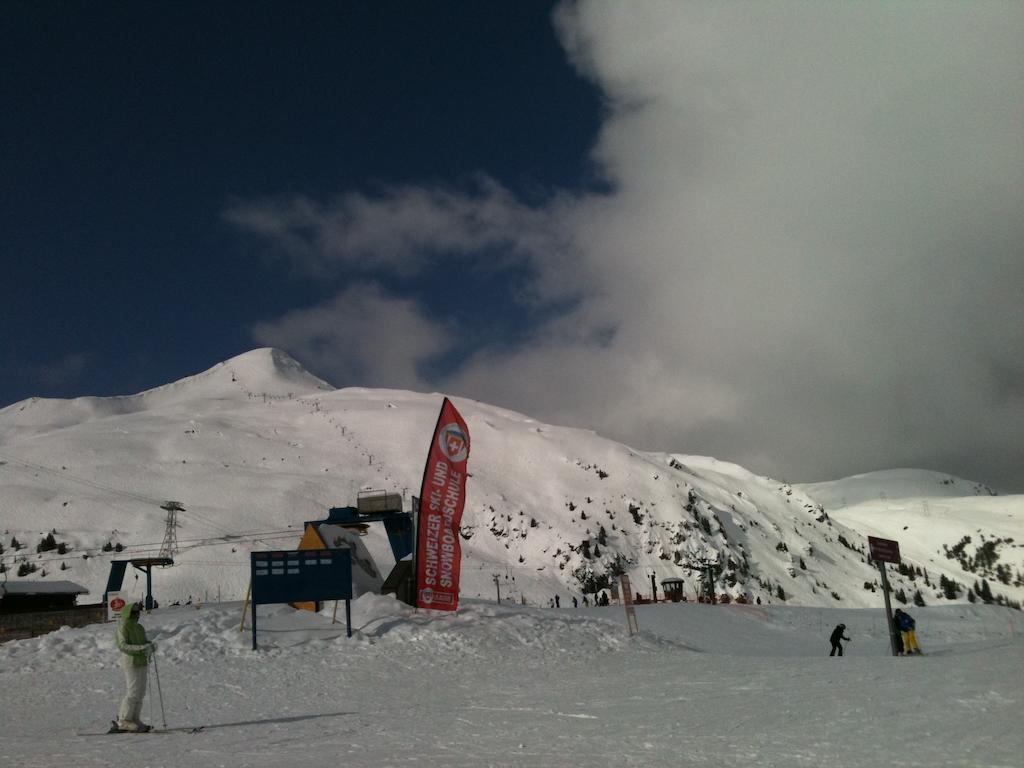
column 842, row 626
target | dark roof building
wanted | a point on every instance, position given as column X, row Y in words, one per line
column 29, row 596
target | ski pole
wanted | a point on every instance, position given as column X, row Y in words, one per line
column 160, row 693
column 151, row 698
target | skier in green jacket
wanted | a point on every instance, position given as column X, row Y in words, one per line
column 135, row 651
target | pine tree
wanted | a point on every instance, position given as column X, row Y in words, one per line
column 986, row 592
column 780, row 592
column 602, row 536
column 949, row 588
column 918, row 598
column 971, row 597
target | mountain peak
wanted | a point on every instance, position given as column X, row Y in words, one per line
column 272, row 371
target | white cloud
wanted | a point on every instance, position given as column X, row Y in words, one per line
column 362, row 336
column 401, row 230
column 810, row 260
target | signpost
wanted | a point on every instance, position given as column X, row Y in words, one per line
column 303, row 575
column 885, row 551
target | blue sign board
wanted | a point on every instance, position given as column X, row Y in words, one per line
column 302, row 575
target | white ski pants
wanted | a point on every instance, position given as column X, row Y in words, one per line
column 135, row 689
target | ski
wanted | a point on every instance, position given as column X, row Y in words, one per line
column 150, row 730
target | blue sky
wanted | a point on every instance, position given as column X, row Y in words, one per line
column 131, row 128
column 786, row 235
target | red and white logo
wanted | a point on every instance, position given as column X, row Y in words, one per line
column 454, row 443
column 117, row 604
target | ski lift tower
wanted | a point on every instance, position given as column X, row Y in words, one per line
column 705, row 566
column 168, row 549
column 169, row 546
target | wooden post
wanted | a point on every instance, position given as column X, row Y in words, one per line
column 334, row 614
column 245, row 606
column 627, row 601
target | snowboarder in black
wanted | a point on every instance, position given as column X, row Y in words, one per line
column 837, row 636
column 897, row 633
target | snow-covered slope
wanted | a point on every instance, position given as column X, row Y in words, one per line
column 255, row 446
column 893, row 484
column 519, row 686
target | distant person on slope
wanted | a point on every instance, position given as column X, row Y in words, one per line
column 908, row 628
column 135, row 650
column 837, row 636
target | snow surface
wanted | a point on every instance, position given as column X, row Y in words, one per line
column 513, row 685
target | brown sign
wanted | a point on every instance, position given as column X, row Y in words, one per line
column 884, row 550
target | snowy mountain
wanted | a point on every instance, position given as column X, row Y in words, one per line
column 256, row 445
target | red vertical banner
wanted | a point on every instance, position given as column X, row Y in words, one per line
column 442, row 499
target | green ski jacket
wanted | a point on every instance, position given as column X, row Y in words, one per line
column 131, row 638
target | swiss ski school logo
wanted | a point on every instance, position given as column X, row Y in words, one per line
column 453, row 442
column 429, row 597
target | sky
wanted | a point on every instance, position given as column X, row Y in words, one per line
column 784, row 234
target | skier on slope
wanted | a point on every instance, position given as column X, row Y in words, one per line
column 837, row 636
column 908, row 628
column 135, row 652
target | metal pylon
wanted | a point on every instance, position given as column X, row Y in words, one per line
column 169, row 547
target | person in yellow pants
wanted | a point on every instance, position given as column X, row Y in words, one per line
column 908, row 630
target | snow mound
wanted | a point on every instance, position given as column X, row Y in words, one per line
column 892, row 484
